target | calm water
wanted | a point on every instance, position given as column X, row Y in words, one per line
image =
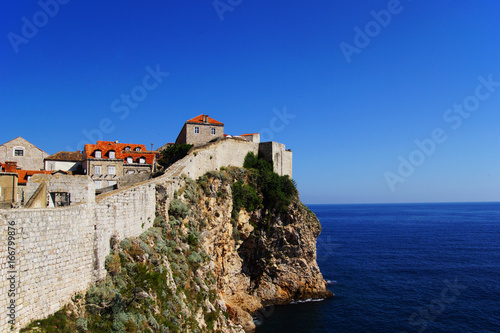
column 403, row 268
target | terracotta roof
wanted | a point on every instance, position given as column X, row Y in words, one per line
column 71, row 156
column 23, row 175
column 120, row 153
column 199, row 120
column 250, row 134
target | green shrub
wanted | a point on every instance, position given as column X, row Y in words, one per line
column 277, row 191
column 172, row 154
column 113, row 264
column 178, row 209
column 159, row 222
column 244, row 196
column 126, row 244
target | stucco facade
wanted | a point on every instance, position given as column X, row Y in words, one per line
column 27, row 155
column 65, row 161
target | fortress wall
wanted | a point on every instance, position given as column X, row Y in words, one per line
column 124, row 213
column 60, row 251
column 281, row 158
column 227, row 152
column 53, row 260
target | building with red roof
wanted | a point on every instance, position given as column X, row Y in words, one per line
column 200, row 130
column 107, row 161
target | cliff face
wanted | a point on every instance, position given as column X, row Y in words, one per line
column 216, row 258
column 258, row 258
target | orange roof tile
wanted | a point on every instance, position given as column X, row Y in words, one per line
column 199, row 120
column 120, row 153
column 24, row 174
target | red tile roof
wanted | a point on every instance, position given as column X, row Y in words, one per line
column 120, row 153
column 199, row 120
column 24, row 174
column 250, row 134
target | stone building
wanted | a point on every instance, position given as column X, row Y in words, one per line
column 8, row 188
column 27, row 155
column 66, row 161
column 277, row 153
column 200, row 130
column 59, row 190
column 23, row 176
column 107, row 161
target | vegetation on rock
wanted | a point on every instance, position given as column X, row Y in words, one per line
column 235, row 240
column 173, row 153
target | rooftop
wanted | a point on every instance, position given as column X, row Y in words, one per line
column 122, row 151
column 72, row 156
column 202, row 120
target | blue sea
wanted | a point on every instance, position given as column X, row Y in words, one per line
column 402, row 268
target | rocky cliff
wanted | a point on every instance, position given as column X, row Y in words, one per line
column 259, row 259
column 223, row 251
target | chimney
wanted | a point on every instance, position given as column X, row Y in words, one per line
column 116, row 141
column 151, row 147
column 205, row 119
column 10, row 166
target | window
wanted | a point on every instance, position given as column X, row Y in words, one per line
column 98, row 184
column 97, row 170
column 60, row 199
column 130, row 172
column 212, row 131
column 111, row 169
column 18, row 152
column 137, row 149
column 196, row 130
column 142, row 160
column 127, row 148
column 130, row 160
column 112, row 154
column 97, row 154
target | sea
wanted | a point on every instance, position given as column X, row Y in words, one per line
column 402, row 268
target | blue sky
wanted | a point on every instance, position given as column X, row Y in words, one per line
column 354, row 112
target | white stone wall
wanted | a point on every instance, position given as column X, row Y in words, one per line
column 123, row 213
column 60, row 251
column 227, row 152
column 54, row 259
column 81, row 188
column 282, row 158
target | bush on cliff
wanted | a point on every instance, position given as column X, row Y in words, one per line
column 172, row 154
column 277, row 191
column 244, row 196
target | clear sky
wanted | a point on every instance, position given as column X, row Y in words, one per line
column 347, row 85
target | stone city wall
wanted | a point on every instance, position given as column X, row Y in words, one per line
column 58, row 252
